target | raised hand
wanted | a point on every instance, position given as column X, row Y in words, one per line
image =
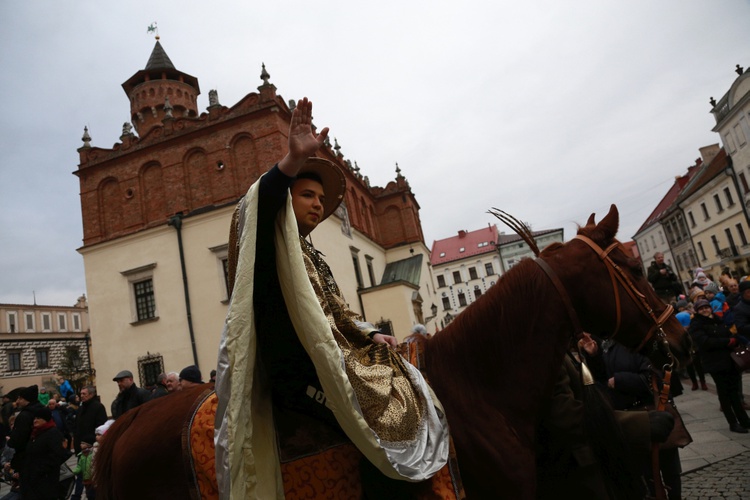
column 303, row 142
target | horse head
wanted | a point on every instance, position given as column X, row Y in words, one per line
column 610, row 294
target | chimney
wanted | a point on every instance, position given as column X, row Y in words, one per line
column 462, row 233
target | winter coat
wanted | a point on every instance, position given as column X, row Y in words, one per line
column 711, row 338
column 91, row 415
column 40, row 476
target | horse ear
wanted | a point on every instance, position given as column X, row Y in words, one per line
column 591, row 221
column 609, row 224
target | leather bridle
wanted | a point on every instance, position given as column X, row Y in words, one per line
column 617, row 275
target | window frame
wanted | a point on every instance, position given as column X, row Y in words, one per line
column 62, row 322
column 46, row 321
column 44, row 352
column 26, row 316
column 11, row 355
column 13, row 323
column 221, row 253
column 135, row 276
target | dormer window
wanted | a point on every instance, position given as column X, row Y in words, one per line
column 462, row 249
column 442, row 254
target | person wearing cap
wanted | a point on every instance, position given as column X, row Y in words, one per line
column 130, row 395
column 190, row 376
column 714, row 342
column 40, row 476
column 286, row 307
column 28, row 403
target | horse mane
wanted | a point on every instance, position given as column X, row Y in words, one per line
column 492, row 330
column 521, row 229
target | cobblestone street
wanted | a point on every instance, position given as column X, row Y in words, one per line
column 729, row 478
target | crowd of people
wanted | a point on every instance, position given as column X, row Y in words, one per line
column 716, row 315
column 43, row 427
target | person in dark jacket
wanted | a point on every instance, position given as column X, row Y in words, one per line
column 663, row 279
column 130, row 395
column 20, row 436
column 91, row 414
column 40, row 476
column 160, row 389
column 715, row 342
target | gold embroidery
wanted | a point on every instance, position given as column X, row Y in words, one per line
column 391, row 406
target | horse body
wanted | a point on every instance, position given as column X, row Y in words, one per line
column 491, row 368
column 495, row 364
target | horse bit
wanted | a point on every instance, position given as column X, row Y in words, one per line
column 616, row 275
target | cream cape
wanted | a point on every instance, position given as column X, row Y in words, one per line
column 246, row 456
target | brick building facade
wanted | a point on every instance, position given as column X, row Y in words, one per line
column 156, row 209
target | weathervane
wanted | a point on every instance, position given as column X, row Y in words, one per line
column 153, row 29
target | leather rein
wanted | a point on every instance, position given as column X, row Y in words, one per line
column 617, row 275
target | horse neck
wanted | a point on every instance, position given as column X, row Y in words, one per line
column 507, row 347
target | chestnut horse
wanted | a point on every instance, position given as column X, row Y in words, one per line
column 491, row 368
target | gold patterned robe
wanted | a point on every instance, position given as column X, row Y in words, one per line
column 382, row 403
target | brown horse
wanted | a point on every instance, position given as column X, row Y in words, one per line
column 491, row 368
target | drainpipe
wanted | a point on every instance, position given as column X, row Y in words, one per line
column 176, row 222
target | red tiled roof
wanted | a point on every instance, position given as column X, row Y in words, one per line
column 669, row 198
column 449, row 249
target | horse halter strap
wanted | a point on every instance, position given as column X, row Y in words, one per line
column 617, row 274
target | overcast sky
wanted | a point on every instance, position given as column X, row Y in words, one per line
column 550, row 110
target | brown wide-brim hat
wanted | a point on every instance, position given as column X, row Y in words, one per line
column 334, row 182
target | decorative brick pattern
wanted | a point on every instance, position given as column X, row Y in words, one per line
column 57, row 350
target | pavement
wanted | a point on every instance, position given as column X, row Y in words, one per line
column 716, row 465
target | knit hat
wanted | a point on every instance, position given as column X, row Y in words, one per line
column 102, row 429
column 696, row 294
column 701, row 303
column 44, row 413
column 89, row 439
column 745, row 285
column 711, row 287
column 31, row 393
column 681, row 304
column 191, row 374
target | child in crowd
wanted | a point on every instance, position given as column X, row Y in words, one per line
column 85, row 466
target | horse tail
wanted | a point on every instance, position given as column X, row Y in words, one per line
column 103, row 464
column 606, row 438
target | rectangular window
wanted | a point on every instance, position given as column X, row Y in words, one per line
column 143, row 293
column 715, row 241
column 370, row 270
column 705, row 211
column 728, row 195
column 62, row 322
column 76, row 322
column 29, row 322
column 12, row 322
column 456, row 277
column 357, row 270
column 740, row 134
column 221, row 253
column 741, row 232
column 730, row 239
column 42, row 359
column 691, row 218
column 473, row 273
column 461, row 300
column 477, row 293
column 489, row 269
column 743, row 181
column 46, row 322
column 446, row 304
column 225, row 274
column 145, row 304
column 150, row 369
column 441, row 280
column 700, row 249
column 717, row 200
column 14, row 361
